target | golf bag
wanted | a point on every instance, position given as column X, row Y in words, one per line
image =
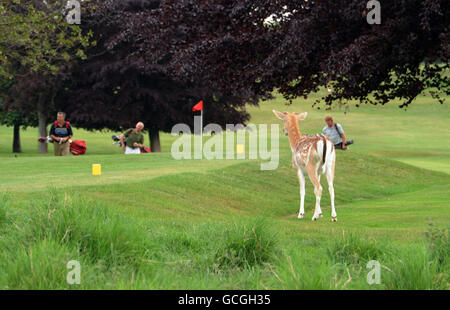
column 116, row 140
column 77, row 147
column 348, row 142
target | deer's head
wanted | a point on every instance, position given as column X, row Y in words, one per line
column 289, row 119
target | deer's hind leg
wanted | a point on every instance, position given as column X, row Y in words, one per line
column 330, row 178
column 314, row 177
column 301, row 180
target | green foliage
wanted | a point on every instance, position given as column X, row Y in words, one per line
column 39, row 241
column 114, row 240
column 439, row 245
column 3, row 209
column 303, row 269
column 245, row 246
column 37, row 38
column 412, row 268
column 354, row 249
column 15, row 118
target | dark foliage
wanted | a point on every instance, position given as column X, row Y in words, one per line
column 228, row 46
column 115, row 88
column 154, row 59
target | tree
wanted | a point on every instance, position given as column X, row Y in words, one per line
column 232, row 46
column 14, row 118
column 112, row 90
column 37, row 46
column 17, row 120
column 156, row 58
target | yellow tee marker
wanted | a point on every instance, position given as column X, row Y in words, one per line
column 96, row 169
column 240, row 149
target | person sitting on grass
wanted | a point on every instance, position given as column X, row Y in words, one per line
column 61, row 133
column 335, row 132
column 135, row 139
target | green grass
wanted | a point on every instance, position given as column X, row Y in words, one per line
column 152, row 222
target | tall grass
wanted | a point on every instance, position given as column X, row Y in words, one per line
column 355, row 249
column 97, row 232
column 3, row 207
column 119, row 250
column 403, row 266
column 246, row 246
column 423, row 266
column 439, row 245
column 116, row 250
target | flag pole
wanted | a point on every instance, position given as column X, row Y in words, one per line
column 201, row 132
column 197, row 107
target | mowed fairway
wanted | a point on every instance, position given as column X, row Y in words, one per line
column 152, row 222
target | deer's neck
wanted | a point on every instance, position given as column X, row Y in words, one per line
column 294, row 134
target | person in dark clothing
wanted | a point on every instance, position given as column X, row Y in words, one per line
column 61, row 133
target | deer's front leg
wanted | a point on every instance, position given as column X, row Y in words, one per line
column 301, row 180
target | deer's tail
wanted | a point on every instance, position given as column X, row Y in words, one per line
column 324, row 151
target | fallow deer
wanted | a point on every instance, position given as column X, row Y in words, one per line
column 312, row 154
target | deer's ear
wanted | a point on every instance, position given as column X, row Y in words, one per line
column 280, row 115
column 301, row 116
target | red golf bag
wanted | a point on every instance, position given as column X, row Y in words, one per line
column 78, row 147
column 145, row 150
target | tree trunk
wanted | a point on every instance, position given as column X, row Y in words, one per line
column 17, row 148
column 42, row 116
column 155, row 145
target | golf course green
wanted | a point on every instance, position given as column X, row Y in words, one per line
column 153, row 222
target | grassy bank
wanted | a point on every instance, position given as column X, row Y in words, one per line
column 152, row 222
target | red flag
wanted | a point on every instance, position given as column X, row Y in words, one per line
column 198, row 106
